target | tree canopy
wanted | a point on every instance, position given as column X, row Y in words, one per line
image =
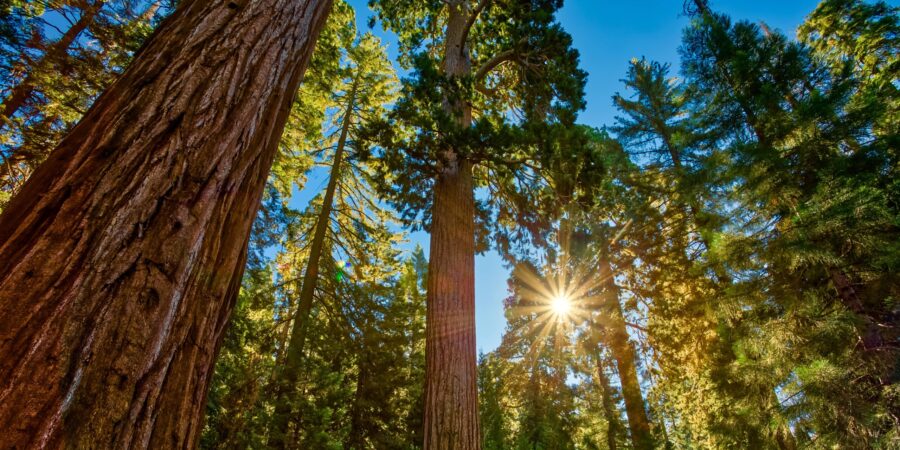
column 717, row 267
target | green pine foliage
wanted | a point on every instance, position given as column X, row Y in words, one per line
column 734, row 233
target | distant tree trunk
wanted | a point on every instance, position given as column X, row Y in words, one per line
column 356, row 438
column 122, row 255
column 451, row 402
column 290, row 371
column 784, row 437
column 149, row 13
column 609, row 407
column 623, row 352
column 870, row 336
column 21, row 92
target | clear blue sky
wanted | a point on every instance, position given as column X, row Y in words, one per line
column 608, row 34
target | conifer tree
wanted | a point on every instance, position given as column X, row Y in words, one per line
column 475, row 66
column 50, row 82
column 802, row 154
column 360, row 98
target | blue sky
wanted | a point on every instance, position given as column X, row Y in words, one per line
column 608, row 34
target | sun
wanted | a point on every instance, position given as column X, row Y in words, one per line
column 561, row 305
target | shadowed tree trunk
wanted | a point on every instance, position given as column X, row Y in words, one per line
column 121, row 257
column 356, row 439
column 623, row 352
column 609, row 407
column 21, row 92
column 290, row 371
column 451, row 403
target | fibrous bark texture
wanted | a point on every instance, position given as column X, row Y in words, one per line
column 451, row 395
column 121, row 257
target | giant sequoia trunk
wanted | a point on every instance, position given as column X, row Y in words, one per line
column 623, row 352
column 121, row 257
column 21, row 92
column 451, row 404
column 289, row 373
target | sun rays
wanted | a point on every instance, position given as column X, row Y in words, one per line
column 561, row 305
column 554, row 301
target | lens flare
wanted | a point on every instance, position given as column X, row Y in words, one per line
column 561, row 305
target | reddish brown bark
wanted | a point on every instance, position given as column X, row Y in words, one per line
column 21, row 92
column 623, row 352
column 451, row 403
column 121, row 257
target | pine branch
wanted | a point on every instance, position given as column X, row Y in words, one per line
column 472, row 18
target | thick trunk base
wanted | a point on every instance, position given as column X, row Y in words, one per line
column 121, row 257
column 451, row 404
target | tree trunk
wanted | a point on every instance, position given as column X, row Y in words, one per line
column 609, row 407
column 21, row 92
column 451, row 403
column 290, row 371
column 356, row 437
column 623, row 352
column 121, row 257
column 451, row 406
column 870, row 336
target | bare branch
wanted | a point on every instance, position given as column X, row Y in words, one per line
column 492, row 63
column 636, row 327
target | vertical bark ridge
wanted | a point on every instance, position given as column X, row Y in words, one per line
column 451, row 402
column 121, row 257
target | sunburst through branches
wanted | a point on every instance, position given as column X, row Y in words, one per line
column 561, row 305
column 554, row 301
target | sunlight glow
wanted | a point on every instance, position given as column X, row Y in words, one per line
column 561, row 305
column 554, row 300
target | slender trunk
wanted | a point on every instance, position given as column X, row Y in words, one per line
column 121, row 257
column 21, row 92
column 785, row 438
column 701, row 6
column 623, row 352
column 355, row 439
column 451, row 403
column 290, row 371
column 609, row 407
column 149, row 13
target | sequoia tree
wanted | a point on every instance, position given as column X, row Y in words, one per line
column 483, row 73
column 122, row 255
